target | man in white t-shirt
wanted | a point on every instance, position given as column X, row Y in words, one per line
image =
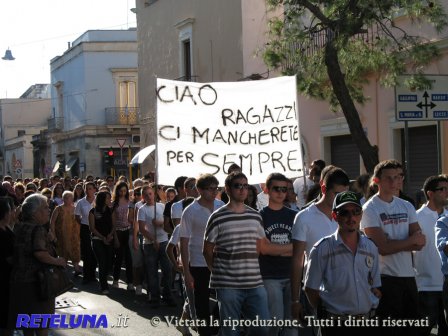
column 192, row 228
column 311, row 225
column 155, row 239
column 393, row 226
column 82, row 210
column 427, row 261
column 177, row 208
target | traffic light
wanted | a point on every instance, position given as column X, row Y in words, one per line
column 109, row 157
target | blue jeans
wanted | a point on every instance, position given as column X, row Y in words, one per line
column 445, row 297
column 251, row 303
column 279, row 298
column 153, row 258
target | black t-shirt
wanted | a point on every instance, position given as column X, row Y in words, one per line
column 103, row 221
column 277, row 227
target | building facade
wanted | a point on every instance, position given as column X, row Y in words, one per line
column 20, row 120
column 94, row 105
column 220, row 41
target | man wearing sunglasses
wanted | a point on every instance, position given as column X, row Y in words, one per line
column 342, row 276
column 233, row 238
column 275, row 270
column 393, row 226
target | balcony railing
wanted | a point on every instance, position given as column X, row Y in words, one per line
column 187, row 78
column 122, row 115
column 55, row 124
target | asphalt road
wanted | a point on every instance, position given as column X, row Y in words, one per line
column 126, row 313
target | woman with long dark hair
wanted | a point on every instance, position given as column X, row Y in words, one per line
column 122, row 227
column 103, row 231
column 56, row 195
column 78, row 192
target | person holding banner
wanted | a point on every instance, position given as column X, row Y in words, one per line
column 155, row 239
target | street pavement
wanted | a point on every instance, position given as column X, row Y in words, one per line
column 127, row 314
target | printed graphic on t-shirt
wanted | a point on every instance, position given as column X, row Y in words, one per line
column 282, row 233
column 394, row 218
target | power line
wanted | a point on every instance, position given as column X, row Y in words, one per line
column 67, row 35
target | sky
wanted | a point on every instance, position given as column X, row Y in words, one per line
column 38, row 30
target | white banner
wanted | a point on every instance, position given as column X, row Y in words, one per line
column 204, row 128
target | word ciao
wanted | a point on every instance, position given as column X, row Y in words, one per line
column 205, row 94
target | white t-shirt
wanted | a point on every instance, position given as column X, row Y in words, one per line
column 139, row 204
column 192, row 226
column 176, row 210
column 427, row 261
column 301, row 186
column 82, row 210
column 146, row 214
column 262, row 200
column 310, row 226
column 394, row 219
column 175, row 236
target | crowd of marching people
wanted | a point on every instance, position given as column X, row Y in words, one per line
column 317, row 248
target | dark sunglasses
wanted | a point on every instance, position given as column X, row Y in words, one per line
column 280, row 189
column 212, row 189
column 240, row 186
column 441, row 189
column 347, row 213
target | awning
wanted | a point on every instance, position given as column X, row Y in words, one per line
column 142, row 155
column 56, row 166
column 70, row 164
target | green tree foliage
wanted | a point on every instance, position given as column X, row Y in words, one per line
column 335, row 46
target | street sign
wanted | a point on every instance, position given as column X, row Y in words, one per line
column 428, row 104
column 18, row 164
column 18, row 171
column 121, row 142
column 120, row 162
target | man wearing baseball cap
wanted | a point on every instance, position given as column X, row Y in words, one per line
column 342, row 276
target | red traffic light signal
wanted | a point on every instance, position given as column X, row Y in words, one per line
column 110, row 153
